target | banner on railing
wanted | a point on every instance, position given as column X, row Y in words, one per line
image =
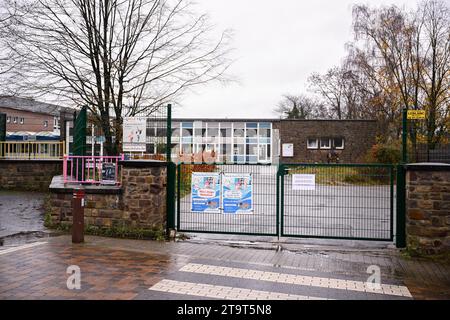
column 205, row 192
column 109, row 173
column 237, row 195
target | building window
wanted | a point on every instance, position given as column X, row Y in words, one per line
column 325, row 143
column 338, row 143
column 22, row 120
column 8, row 119
column 312, row 143
column 15, row 119
column 46, row 123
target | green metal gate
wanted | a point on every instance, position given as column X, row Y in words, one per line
column 263, row 220
column 336, row 201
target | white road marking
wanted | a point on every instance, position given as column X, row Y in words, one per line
column 25, row 246
column 331, row 283
column 223, row 292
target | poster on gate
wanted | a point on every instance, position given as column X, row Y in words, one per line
column 205, row 192
column 237, row 193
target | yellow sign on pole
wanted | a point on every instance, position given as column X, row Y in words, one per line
column 415, row 114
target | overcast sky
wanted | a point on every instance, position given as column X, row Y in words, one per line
column 278, row 44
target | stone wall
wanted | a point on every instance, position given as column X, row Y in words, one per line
column 140, row 202
column 428, row 208
column 28, row 175
column 144, row 193
column 359, row 136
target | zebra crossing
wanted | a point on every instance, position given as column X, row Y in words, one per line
column 210, row 281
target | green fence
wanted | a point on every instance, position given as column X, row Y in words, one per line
column 333, row 201
column 260, row 219
column 337, row 201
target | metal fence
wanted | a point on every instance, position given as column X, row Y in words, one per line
column 158, row 121
column 337, row 201
column 424, row 153
column 32, row 150
column 261, row 220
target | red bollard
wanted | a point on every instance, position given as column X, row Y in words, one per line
column 78, row 216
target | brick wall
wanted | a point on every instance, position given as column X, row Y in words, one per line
column 428, row 208
column 33, row 121
column 29, row 175
column 359, row 136
column 140, row 202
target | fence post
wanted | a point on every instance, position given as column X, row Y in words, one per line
column 400, row 239
column 2, row 135
column 171, row 176
column 169, row 134
column 404, row 135
column 280, row 200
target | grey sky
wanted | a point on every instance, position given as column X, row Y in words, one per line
column 278, row 44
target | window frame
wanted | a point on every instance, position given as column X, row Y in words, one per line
column 317, row 143
column 343, row 143
column 329, row 143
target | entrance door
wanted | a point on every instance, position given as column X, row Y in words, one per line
column 264, row 153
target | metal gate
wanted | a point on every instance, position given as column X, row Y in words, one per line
column 337, row 201
column 263, row 220
column 340, row 201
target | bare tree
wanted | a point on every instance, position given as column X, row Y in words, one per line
column 118, row 57
column 435, row 74
column 299, row 107
column 337, row 89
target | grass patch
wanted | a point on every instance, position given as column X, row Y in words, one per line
column 340, row 176
column 126, row 232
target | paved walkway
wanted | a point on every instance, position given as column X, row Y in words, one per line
column 130, row 269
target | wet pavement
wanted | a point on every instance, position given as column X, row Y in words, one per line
column 21, row 217
column 133, row 269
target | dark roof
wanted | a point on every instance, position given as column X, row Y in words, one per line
column 30, row 105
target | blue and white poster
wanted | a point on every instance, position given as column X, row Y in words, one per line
column 237, row 195
column 205, row 192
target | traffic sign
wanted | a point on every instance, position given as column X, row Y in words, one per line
column 415, row 114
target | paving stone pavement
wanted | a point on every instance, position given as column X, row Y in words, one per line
column 133, row 269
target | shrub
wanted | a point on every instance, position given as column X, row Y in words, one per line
column 384, row 153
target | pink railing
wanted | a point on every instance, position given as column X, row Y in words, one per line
column 92, row 169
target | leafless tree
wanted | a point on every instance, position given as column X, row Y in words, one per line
column 337, row 89
column 300, row 107
column 435, row 71
column 118, row 57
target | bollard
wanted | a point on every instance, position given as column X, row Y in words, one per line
column 78, row 216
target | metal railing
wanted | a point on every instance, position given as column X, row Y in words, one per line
column 32, row 150
column 92, row 169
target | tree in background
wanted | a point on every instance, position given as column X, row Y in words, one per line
column 299, row 107
column 120, row 58
column 398, row 59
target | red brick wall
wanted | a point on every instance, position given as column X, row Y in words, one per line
column 32, row 121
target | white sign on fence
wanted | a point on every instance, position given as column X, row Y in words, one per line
column 134, row 134
column 304, row 182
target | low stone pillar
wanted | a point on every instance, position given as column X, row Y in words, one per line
column 144, row 192
column 428, row 208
